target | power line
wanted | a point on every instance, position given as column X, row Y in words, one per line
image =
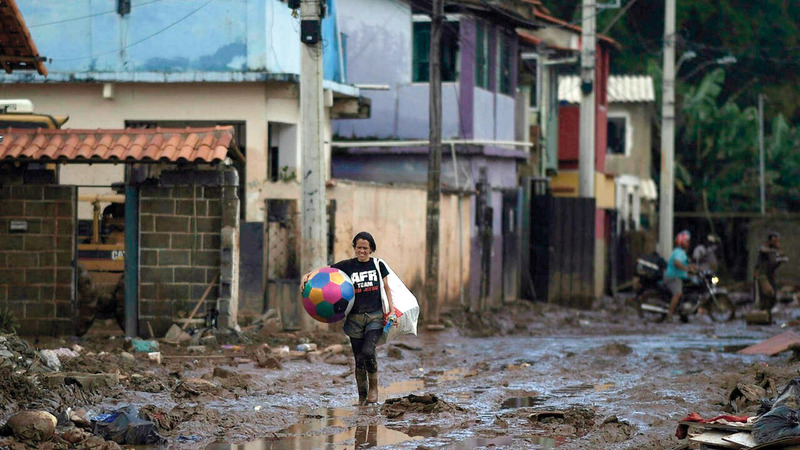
column 73, row 19
column 143, row 39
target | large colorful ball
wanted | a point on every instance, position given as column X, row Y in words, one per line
column 328, row 295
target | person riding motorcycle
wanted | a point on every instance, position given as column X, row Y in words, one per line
column 766, row 283
column 678, row 269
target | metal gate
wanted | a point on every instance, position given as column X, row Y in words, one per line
column 561, row 259
column 283, row 258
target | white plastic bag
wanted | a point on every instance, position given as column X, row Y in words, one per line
column 406, row 307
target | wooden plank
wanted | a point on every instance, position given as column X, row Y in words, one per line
column 718, row 426
column 774, row 345
column 744, row 439
column 714, row 438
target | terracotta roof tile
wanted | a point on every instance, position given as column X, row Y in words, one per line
column 128, row 145
column 17, row 50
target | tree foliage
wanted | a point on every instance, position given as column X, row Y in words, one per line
column 764, row 36
column 717, row 153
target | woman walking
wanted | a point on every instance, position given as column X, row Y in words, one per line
column 364, row 324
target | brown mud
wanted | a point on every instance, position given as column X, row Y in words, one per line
column 528, row 375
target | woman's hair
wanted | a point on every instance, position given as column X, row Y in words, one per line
column 367, row 237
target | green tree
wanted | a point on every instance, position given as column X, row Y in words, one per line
column 717, row 155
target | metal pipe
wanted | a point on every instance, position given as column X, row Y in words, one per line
column 418, row 143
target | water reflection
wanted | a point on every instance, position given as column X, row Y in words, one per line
column 325, row 428
column 521, row 402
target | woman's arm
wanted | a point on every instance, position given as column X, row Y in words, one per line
column 388, row 295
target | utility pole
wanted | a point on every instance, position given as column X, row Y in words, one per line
column 434, row 166
column 761, row 152
column 667, row 188
column 587, row 115
column 314, row 240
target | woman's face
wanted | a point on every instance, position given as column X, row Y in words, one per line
column 363, row 250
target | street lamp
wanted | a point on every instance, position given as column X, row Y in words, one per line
column 684, row 57
column 723, row 61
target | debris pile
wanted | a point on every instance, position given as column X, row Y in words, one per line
column 425, row 404
column 776, row 424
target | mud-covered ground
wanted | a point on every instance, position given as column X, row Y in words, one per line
column 527, row 376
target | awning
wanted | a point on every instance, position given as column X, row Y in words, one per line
column 17, row 50
column 206, row 145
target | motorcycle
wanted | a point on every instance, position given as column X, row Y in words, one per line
column 653, row 297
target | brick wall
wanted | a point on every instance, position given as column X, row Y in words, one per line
column 180, row 248
column 36, row 271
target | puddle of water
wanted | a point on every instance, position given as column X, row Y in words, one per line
column 521, row 402
column 417, row 384
column 311, row 432
column 572, row 390
column 603, row 387
column 452, row 375
column 400, row 387
column 462, row 395
column 319, row 419
column 543, row 443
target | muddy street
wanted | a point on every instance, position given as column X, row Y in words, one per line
column 531, row 376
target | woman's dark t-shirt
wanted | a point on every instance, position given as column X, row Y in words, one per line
column 366, row 283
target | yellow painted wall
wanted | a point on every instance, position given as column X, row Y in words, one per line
column 604, row 191
column 395, row 216
column 565, row 184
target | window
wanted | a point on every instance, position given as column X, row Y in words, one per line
column 481, row 56
column 530, row 76
column 617, row 139
column 422, row 50
column 504, row 64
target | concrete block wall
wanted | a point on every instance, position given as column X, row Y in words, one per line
column 183, row 222
column 179, row 254
column 36, row 265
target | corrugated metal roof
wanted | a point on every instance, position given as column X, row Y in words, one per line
column 128, row 145
column 17, row 50
column 621, row 89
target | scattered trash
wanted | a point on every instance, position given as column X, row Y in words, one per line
column 427, row 403
column 50, row 359
column 780, row 422
column 155, row 357
column 306, row 347
column 257, row 408
column 176, row 335
column 124, row 427
column 774, row 345
column 147, row 346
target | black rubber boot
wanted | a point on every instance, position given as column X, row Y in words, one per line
column 372, row 394
column 361, row 384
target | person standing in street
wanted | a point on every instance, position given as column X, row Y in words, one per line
column 364, row 324
column 765, row 277
column 705, row 254
column 678, row 269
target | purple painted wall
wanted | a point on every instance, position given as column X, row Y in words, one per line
column 467, row 77
column 379, row 51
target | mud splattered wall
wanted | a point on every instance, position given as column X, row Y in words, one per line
column 37, row 224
